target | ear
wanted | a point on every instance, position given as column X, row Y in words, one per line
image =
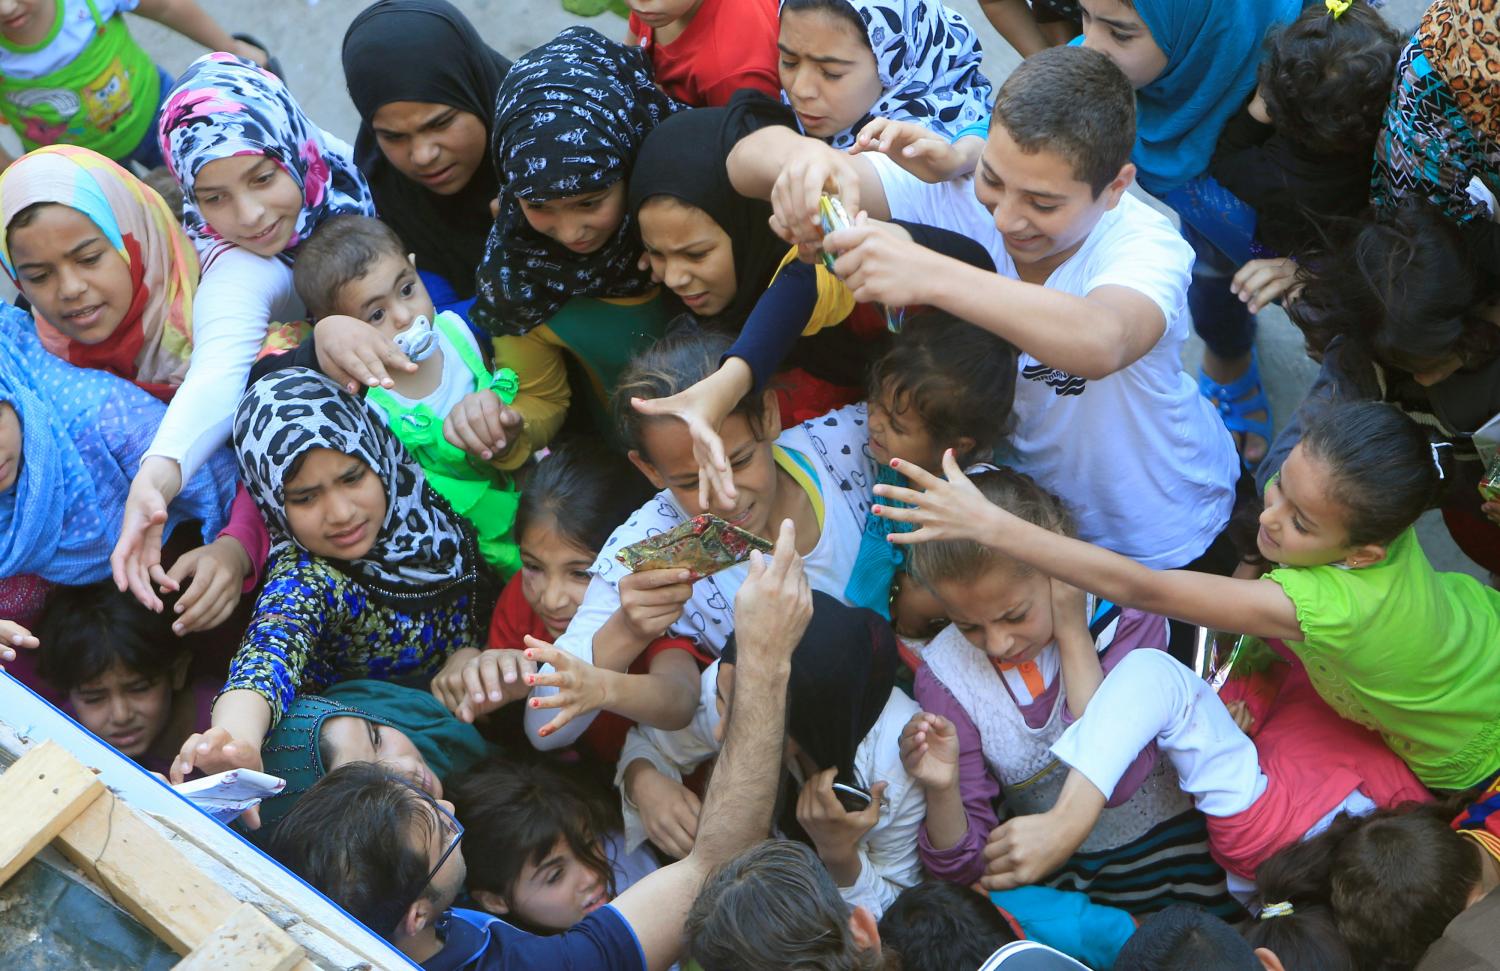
column 179, row 670
column 1366, row 555
column 864, row 929
column 490, row 901
column 1268, row 959
column 646, row 469
column 418, row 917
column 962, row 449
column 771, row 416
column 1118, row 185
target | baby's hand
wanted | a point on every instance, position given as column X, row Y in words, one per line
column 356, row 355
column 12, row 636
column 482, row 425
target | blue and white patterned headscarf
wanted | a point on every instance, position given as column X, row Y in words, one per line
column 224, row 105
column 928, row 59
column 83, row 435
column 569, row 120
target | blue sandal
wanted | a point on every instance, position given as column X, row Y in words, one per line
column 1239, row 399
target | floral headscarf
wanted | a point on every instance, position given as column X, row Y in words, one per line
column 224, row 105
column 152, row 344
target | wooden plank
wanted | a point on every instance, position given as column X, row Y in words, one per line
column 40, row 795
column 247, row 941
column 146, row 874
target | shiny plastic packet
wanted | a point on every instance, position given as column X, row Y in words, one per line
column 703, row 546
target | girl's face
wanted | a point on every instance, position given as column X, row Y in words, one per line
column 556, row 893
column 1301, row 526
column 10, row 446
column 353, row 739
column 435, row 145
column 690, row 253
column 656, row 14
column 896, row 433
column 126, row 708
column 554, row 574
column 335, row 505
column 1005, row 614
column 582, row 223
column 71, row 273
column 666, row 458
column 1115, row 29
column 827, row 70
column 250, row 200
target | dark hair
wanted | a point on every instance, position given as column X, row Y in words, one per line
column 350, row 836
column 87, row 630
column 774, row 906
column 1075, row 102
column 1395, row 879
column 26, row 216
column 936, row 926
column 961, row 559
column 585, row 489
column 834, row 8
column 514, row 813
column 1308, row 936
column 673, row 364
column 339, row 251
column 1383, row 468
column 959, row 379
column 1326, row 79
column 1399, row 289
column 1184, row 938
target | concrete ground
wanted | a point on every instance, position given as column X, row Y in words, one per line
column 307, row 34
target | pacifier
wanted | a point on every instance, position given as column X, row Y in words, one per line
column 419, row 340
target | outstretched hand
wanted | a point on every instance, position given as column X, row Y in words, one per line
column 703, row 408
column 774, row 605
column 136, row 560
column 916, row 148
column 12, row 636
column 356, row 355
column 582, row 689
column 951, row 508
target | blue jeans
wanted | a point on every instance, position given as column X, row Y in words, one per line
column 1221, row 230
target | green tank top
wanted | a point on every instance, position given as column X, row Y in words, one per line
column 103, row 99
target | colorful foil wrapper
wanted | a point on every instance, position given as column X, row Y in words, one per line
column 703, row 546
column 1489, row 483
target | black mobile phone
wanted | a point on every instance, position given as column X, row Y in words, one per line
column 852, row 798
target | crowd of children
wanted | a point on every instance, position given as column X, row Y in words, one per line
column 331, row 462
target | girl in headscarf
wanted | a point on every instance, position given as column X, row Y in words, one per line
column 1193, row 64
column 845, row 716
column 561, row 282
column 257, row 177
column 371, row 573
column 424, row 134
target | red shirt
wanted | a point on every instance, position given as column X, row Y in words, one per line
column 728, row 45
column 513, row 619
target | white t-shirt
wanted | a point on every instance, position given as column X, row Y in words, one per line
column 1142, row 459
column 835, row 449
column 74, row 32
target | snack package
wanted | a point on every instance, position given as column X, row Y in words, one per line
column 1487, row 444
column 703, row 545
column 834, row 216
column 1255, row 676
column 225, row 795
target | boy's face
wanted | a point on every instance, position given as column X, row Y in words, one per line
column 1040, row 207
column 18, row 15
column 389, row 296
column 125, row 708
column 10, row 446
column 658, row 13
column 1114, row 29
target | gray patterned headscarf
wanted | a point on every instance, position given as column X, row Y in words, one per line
column 569, row 120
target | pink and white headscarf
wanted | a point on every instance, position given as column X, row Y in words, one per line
column 223, row 106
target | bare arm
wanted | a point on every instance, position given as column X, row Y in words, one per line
column 793, row 171
column 1013, row 20
column 1081, row 671
column 664, row 698
column 194, row 23
column 772, row 609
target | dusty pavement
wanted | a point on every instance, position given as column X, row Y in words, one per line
column 307, row 35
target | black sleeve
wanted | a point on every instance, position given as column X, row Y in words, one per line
column 954, row 245
column 303, row 355
column 1248, row 160
column 778, row 319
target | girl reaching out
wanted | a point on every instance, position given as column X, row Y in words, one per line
column 1387, row 641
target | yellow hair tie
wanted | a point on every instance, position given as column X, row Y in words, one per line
column 1283, row 909
column 1338, row 7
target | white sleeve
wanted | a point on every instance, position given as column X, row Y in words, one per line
column 232, row 311
column 888, row 857
column 1146, row 254
column 932, row 204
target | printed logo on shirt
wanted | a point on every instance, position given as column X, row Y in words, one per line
column 1061, row 382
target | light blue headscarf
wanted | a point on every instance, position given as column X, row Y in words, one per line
column 1213, row 50
column 83, row 434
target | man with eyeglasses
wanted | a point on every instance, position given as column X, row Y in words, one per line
column 391, row 855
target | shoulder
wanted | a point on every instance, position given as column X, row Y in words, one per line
column 1134, row 224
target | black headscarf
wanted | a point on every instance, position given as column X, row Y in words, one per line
column 843, row 671
column 425, row 50
column 685, row 158
column 569, row 120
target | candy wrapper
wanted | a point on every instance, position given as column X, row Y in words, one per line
column 833, row 216
column 226, row 795
column 703, row 546
column 1487, row 444
column 1255, row 676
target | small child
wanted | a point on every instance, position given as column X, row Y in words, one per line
column 546, row 849
column 703, row 51
column 70, row 72
column 123, row 672
column 1387, row 641
column 1295, row 922
column 355, row 266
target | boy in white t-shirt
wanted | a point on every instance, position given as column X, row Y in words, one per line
column 1091, row 287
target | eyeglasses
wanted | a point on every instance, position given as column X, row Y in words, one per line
column 450, row 823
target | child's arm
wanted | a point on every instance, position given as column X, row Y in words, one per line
column 955, row 509
column 930, row 753
column 1081, row 670
column 920, row 150
column 241, row 719
column 192, row 22
column 473, row 683
column 665, row 698
column 793, row 171
column 961, row 811
column 1013, row 20
column 649, row 602
column 1090, row 337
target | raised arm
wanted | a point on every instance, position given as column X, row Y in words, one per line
column 792, row 171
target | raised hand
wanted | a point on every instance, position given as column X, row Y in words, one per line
column 218, row 573
column 951, row 508
column 581, row 687
column 356, row 355
column 929, row 751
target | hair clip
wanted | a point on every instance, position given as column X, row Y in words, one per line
column 1338, row 7
column 1437, row 460
column 1284, row 908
